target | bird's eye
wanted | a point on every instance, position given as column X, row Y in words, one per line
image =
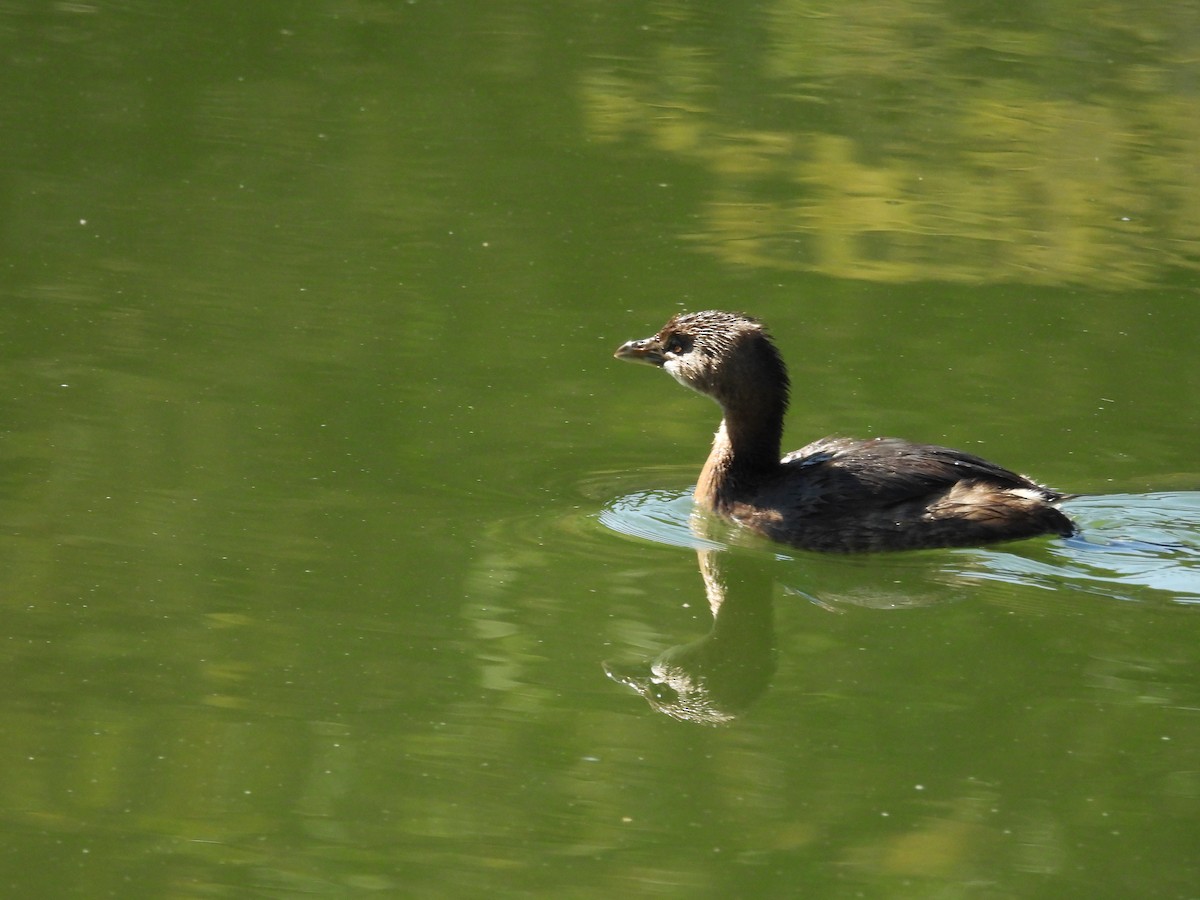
column 677, row 344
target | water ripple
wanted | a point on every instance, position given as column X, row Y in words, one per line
column 1127, row 543
column 1130, row 547
column 664, row 517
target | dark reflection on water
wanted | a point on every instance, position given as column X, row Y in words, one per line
column 714, row 679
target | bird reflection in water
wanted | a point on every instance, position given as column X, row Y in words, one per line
column 714, row 679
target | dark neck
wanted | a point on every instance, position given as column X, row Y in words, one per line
column 745, row 450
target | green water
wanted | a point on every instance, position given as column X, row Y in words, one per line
column 324, row 505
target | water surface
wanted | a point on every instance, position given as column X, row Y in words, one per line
column 325, row 506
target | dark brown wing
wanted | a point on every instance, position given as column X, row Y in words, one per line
column 882, row 472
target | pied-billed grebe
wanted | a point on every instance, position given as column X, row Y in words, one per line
column 836, row 494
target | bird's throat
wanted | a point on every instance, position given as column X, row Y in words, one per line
column 745, row 452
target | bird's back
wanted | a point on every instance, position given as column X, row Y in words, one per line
column 842, row 494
